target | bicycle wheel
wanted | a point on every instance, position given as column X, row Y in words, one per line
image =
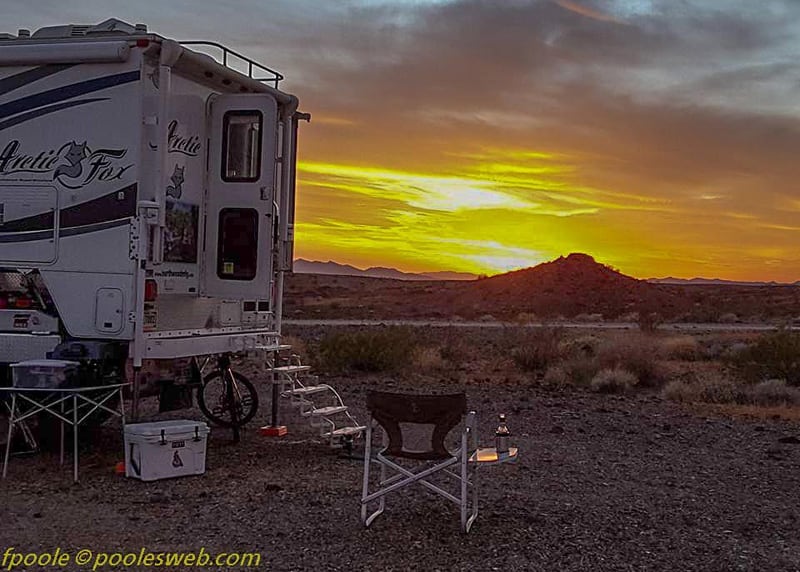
column 214, row 403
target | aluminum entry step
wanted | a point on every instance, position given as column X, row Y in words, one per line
column 326, row 411
column 346, row 431
column 291, row 368
column 308, row 390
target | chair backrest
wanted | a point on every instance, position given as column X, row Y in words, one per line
column 393, row 411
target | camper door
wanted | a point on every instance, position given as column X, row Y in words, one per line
column 240, row 210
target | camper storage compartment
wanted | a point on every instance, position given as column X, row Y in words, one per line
column 165, row 449
column 45, row 374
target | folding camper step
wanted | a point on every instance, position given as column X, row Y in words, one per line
column 291, row 368
column 308, row 390
column 346, row 431
column 326, row 411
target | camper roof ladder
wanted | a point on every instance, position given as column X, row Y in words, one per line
column 235, row 61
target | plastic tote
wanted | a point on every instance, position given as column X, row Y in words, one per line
column 44, row 373
column 165, row 449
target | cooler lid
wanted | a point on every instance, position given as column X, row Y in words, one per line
column 171, row 427
column 46, row 363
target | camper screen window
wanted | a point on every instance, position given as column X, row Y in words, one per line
column 238, row 244
column 241, row 146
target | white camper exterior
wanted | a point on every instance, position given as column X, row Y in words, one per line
column 147, row 189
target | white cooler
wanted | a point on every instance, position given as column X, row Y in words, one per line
column 165, row 449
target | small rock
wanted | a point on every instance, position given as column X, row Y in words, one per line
column 790, row 439
column 556, row 429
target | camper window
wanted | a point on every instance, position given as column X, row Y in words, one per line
column 237, row 252
column 241, row 146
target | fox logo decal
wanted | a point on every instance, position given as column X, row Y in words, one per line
column 74, row 158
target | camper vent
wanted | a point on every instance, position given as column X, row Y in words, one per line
column 111, row 27
column 70, row 31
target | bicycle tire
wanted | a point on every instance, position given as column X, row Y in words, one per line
column 216, row 414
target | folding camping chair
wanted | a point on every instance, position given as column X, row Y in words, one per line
column 404, row 416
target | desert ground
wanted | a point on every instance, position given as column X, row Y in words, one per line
column 684, row 469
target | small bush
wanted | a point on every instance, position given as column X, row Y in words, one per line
column 526, row 318
column 367, row 351
column 589, row 318
column 555, row 376
column 580, row 369
column 775, row 355
column 428, row 358
column 639, row 355
column 581, row 346
column 538, row 348
column 712, row 389
column 613, row 380
column 681, row 348
column 774, row 392
column 649, row 321
column 680, row 391
column 719, row 390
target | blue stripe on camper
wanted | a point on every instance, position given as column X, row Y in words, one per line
column 22, row 118
column 27, row 236
column 101, row 209
column 16, row 81
column 66, row 92
column 48, row 234
column 93, row 227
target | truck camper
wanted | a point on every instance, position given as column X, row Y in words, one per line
column 146, row 202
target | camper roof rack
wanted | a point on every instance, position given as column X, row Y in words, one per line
column 237, row 62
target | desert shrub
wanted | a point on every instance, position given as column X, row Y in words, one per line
column 637, row 354
column 526, row 318
column 580, row 369
column 428, row 358
column 613, row 380
column 537, row 348
column 589, row 318
column 775, row 355
column 649, row 321
column 580, row 346
column 720, row 390
column 367, row 350
column 681, row 348
column 774, row 392
column 555, row 376
column 712, row 389
column 298, row 344
column 680, row 391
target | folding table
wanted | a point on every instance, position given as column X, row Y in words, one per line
column 72, row 406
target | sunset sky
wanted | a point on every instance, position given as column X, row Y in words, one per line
column 660, row 136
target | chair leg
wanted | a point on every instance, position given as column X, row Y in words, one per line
column 366, row 517
column 468, row 516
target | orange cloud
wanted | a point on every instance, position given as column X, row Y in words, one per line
column 574, row 6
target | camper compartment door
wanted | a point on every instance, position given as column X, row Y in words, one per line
column 240, row 209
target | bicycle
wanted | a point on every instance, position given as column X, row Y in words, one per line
column 225, row 396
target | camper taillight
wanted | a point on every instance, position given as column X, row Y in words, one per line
column 150, row 290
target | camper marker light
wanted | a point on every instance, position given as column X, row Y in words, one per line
column 150, row 290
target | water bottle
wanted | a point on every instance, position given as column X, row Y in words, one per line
column 501, row 435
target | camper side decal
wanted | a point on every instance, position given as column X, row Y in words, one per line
column 188, row 145
column 74, row 165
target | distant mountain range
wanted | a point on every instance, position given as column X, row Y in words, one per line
column 716, row 282
column 574, row 286
column 302, row 266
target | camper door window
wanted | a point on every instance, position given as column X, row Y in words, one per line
column 237, row 252
column 241, row 146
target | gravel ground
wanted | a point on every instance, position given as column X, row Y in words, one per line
column 603, row 483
